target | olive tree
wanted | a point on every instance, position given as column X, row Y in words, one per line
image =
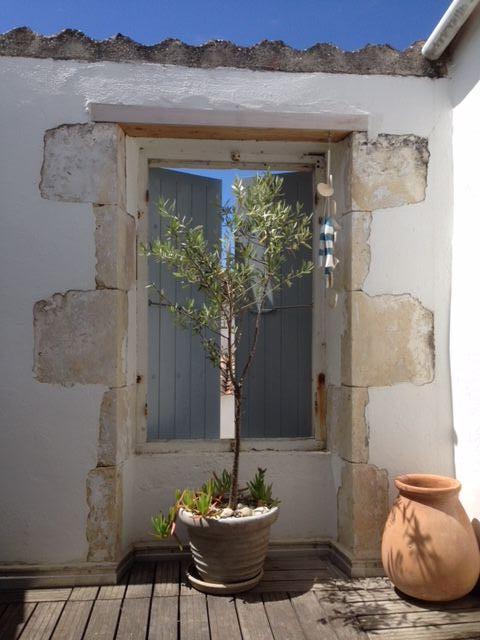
column 237, row 274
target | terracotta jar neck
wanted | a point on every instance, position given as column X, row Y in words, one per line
column 427, row 488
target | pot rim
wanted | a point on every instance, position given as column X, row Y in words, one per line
column 427, row 484
column 187, row 517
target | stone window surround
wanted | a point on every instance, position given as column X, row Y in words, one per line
column 388, row 171
column 287, row 155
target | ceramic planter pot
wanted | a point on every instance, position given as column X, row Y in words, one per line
column 229, row 551
column 429, row 549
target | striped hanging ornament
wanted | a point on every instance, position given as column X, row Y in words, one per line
column 328, row 237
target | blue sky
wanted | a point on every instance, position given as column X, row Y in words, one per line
column 349, row 24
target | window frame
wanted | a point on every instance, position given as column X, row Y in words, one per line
column 143, row 153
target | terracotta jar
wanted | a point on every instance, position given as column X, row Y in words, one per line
column 429, row 549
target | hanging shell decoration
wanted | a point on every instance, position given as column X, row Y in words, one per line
column 328, row 227
column 325, row 189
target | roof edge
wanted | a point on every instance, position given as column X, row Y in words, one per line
column 447, row 28
column 267, row 55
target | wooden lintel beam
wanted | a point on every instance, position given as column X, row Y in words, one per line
column 209, row 132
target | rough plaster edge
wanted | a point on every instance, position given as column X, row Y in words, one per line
column 99, row 280
column 88, row 194
column 333, row 449
column 431, row 341
column 367, row 429
column 45, row 304
column 348, row 559
column 267, row 55
column 366, row 245
column 381, row 139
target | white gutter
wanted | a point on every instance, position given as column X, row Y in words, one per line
column 453, row 18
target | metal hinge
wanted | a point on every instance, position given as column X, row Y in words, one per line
column 285, row 306
column 147, row 196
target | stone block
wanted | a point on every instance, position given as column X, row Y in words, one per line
column 354, row 250
column 346, row 423
column 80, row 338
column 114, row 247
column 389, row 171
column 388, row 339
column 116, row 425
column 84, row 163
column 104, row 523
column 362, row 509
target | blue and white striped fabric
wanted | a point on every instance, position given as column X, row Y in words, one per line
column 328, row 237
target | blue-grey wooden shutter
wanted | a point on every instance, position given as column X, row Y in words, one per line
column 278, row 389
column 183, row 386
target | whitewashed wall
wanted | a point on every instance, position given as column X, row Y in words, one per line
column 465, row 313
column 411, row 426
column 48, row 433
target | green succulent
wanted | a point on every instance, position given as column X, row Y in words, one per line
column 164, row 525
column 204, row 504
column 259, row 491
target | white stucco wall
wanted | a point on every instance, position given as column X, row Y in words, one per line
column 303, row 481
column 411, row 426
column 465, row 312
column 48, row 434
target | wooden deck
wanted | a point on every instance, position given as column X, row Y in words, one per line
column 302, row 597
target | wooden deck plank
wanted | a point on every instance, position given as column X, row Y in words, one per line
column 282, row 617
column 295, row 563
column 194, row 618
column 359, row 596
column 185, row 587
column 301, row 599
column 43, row 620
column 312, row 617
column 252, row 616
column 300, row 586
column 470, row 631
column 164, row 618
column 167, row 579
column 103, row 621
column 133, row 619
column 14, row 619
column 353, row 584
column 35, row 595
column 291, row 575
column 73, row 620
column 140, row 582
column 410, row 606
column 223, row 618
column 113, row 591
column 84, row 593
column 341, row 619
column 431, row 619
